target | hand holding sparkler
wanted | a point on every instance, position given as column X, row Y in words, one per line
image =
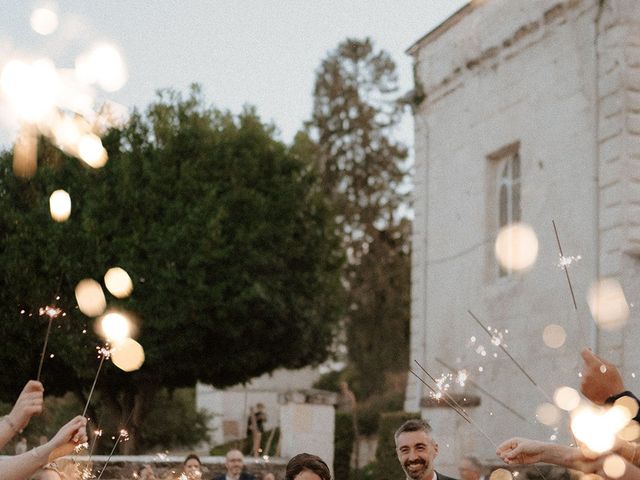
column 67, row 439
column 600, row 379
column 524, row 451
column 63, row 443
column 29, row 403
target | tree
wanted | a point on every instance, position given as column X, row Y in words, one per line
column 230, row 244
column 356, row 108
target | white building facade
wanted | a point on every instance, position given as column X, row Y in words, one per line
column 531, row 113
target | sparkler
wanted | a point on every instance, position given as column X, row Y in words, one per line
column 515, row 362
column 565, row 265
column 123, row 434
column 104, row 352
column 495, row 399
column 51, row 312
column 458, row 408
column 460, row 412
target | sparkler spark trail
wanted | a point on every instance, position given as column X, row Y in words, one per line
column 460, row 412
column 515, row 362
column 123, row 434
column 565, row 266
column 104, row 353
column 52, row 313
column 460, row 408
column 497, row 400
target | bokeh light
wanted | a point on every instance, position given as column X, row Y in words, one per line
column 501, row 474
column 516, row 247
column 115, row 327
column 566, row 398
column 596, row 427
column 60, row 205
column 548, row 414
column 631, row 432
column 614, row 466
column 627, row 403
column 128, row 355
column 44, row 20
column 90, row 297
column 102, row 65
column 25, row 153
column 118, row 282
column 608, row 304
column 554, row 336
column 91, row 151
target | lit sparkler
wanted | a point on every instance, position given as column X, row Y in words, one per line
column 515, row 362
column 52, row 312
column 124, row 436
column 103, row 353
column 565, row 265
column 475, row 385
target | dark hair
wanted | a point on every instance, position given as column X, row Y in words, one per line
column 306, row 461
column 191, row 456
column 473, row 461
column 413, row 425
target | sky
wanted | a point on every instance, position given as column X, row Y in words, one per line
column 243, row 52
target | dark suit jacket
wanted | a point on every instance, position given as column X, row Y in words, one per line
column 443, row 477
column 243, row 476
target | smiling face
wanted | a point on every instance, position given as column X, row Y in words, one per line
column 416, row 452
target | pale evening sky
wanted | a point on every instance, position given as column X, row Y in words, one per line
column 259, row 52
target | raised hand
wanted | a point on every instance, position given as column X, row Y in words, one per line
column 600, row 379
column 29, row 403
column 68, row 438
column 521, row 451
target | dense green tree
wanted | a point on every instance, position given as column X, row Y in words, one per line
column 350, row 136
column 230, row 244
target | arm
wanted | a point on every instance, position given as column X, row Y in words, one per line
column 524, row 451
column 63, row 443
column 29, row 403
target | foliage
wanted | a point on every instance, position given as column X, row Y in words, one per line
column 370, row 411
column 387, row 466
column 231, row 247
column 363, row 171
column 173, row 422
column 344, row 437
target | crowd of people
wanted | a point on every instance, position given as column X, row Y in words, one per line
column 416, row 448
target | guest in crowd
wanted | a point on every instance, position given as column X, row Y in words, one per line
column 255, row 427
column 470, row 469
column 416, row 450
column 269, row 476
column 307, row 467
column 144, row 472
column 192, row 467
column 234, row 463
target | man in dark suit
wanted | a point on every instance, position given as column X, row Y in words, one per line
column 417, row 450
column 234, row 464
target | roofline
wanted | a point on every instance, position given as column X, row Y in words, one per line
column 449, row 22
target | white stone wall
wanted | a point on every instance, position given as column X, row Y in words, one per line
column 561, row 78
column 232, row 404
column 307, row 428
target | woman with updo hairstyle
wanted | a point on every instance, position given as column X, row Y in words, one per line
column 307, row 467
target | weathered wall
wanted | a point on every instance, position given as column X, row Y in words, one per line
column 561, row 78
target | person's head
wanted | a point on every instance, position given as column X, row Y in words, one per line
column 269, row 476
column 145, row 472
column 343, row 386
column 470, row 468
column 416, row 449
column 307, row 467
column 234, row 461
column 192, row 466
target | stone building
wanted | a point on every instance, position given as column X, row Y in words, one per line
column 526, row 110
